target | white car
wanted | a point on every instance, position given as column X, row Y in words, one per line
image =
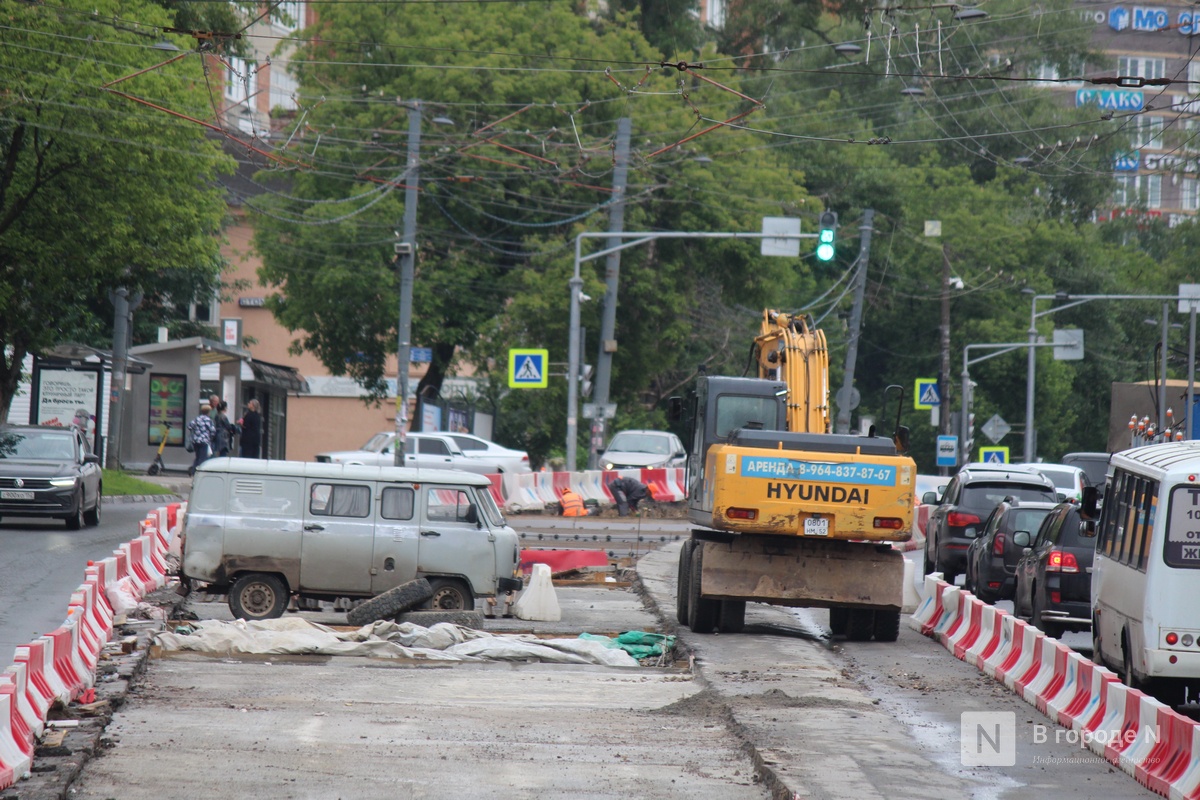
column 643, row 449
column 506, row 458
column 421, row 450
column 1068, row 481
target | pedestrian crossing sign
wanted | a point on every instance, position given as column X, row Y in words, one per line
column 993, row 455
column 527, row 369
column 925, row 394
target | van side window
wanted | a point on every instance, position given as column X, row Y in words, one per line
column 397, row 503
column 208, row 494
column 340, row 500
column 265, row 496
column 448, row 505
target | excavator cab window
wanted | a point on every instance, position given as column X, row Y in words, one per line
column 675, row 409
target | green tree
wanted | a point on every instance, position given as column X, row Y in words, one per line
column 96, row 189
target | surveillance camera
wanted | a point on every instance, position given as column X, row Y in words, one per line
column 956, row 283
column 583, row 298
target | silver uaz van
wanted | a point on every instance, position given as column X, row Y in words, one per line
column 262, row 531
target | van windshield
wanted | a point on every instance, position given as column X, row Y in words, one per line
column 491, row 511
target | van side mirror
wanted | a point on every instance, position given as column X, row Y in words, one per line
column 675, row 409
column 1089, row 507
column 1021, row 538
column 471, row 515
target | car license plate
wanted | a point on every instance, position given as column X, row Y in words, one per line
column 11, row 495
column 816, row 526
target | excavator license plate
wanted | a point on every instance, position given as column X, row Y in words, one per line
column 816, row 526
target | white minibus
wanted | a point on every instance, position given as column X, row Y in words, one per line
column 1146, row 578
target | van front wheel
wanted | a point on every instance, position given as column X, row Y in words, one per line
column 257, row 595
column 450, row 594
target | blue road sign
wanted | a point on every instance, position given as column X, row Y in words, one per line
column 947, row 451
column 925, row 394
column 993, row 455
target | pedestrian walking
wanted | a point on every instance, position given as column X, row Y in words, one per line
column 202, row 432
column 251, row 423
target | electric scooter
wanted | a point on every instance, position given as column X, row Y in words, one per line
column 157, row 465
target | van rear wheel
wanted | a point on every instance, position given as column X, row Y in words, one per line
column 257, row 596
column 450, row 594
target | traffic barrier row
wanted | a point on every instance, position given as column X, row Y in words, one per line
column 534, row 491
column 60, row 667
column 1153, row 743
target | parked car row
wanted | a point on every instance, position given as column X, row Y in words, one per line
column 1017, row 533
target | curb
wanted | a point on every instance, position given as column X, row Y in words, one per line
column 141, row 498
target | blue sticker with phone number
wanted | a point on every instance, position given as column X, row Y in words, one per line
column 829, row 471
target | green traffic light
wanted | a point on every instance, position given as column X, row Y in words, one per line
column 825, row 252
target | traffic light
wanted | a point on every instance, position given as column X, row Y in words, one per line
column 825, row 239
column 585, row 381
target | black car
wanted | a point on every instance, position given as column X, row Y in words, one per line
column 1054, row 575
column 992, row 557
column 970, row 497
column 47, row 471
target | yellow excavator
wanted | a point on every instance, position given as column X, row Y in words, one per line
column 788, row 513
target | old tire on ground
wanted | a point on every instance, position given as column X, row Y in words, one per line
column 257, row 595
column 427, row 619
column 450, row 594
column 839, row 618
column 702, row 611
column 92, row 518
column 683, row 579
column 860, row 625
column 732, row 616
column 887, row 626
column 75, row 521
column 390, row 603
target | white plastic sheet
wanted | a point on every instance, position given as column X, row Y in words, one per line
column 383, row 639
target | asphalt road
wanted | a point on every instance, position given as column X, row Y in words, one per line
column 41, row 563
column 777, row 706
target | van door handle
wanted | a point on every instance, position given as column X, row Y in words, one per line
column 314, row 527
column 430, row 533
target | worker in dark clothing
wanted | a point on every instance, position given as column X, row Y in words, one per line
column 628, row 493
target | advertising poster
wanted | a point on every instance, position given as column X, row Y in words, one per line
column 167, row 396
column 68, row 396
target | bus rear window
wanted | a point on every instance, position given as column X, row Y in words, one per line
column 1182, row 547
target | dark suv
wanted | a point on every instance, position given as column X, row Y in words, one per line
column 992, row 558
column 1054, row 575
column 970, row 497
column 47, row 471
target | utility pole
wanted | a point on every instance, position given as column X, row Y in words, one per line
column 124, row 304
column 407, row 251
column 944, row 369
column 845, row 403
column 612, row 271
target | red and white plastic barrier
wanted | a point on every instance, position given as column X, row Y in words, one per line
column 533, row 491
column 60, row 666
column 1151, row 742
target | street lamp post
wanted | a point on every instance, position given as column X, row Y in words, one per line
column 1002, row 348
column 1074, row 300
column 634, row 238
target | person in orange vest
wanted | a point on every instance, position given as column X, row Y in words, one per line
column 572, row 504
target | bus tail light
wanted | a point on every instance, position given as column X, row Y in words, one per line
column 892, row 523
column 1058, row 561
column 742, row 513
column 1172, row 638
column 998, row 545
column 961, row 519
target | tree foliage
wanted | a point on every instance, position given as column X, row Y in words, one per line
column 96, row 190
